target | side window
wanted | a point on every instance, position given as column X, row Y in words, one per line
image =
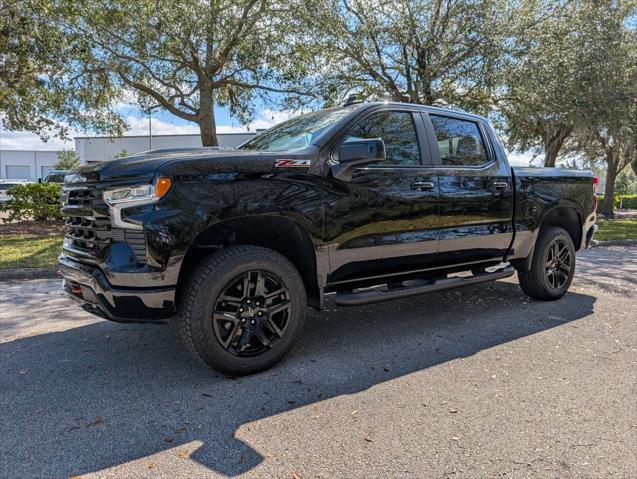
column 459, row 142
column 397, row 130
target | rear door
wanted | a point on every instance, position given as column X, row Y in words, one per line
column 383, row 221
column 476, row 192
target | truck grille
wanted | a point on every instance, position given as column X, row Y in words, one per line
column 89, row 227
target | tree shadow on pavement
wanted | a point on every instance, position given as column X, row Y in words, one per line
column 103, row 394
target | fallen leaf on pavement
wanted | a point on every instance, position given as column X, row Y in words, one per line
column 183, row 454
column 95, row 422
column 168, row 439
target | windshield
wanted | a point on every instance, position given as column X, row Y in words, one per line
column 298, row 132
column 55, row 178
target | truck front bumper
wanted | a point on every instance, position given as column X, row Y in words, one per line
column 89, row 286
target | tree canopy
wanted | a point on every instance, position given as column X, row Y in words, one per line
column 40, row 90
column 188, row 56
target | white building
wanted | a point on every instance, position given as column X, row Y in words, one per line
column 99, row 148
column 36, row 164
column 26, row 164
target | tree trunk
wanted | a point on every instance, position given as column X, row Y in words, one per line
column 608, row 204
column 554, row 145
column 207, row 125
column 550, row 156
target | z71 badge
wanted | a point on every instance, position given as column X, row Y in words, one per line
column 293, row 163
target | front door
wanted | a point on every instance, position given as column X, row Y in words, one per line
column 383, row 221
column 476, row 191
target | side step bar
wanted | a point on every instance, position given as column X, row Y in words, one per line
column 412, row 288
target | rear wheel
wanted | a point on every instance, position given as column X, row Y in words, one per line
column 243, row 309
column 552, row 266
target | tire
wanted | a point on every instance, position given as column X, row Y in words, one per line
column 220, row 328
column 550, row 277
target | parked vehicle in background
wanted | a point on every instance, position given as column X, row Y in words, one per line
column 56, row 176
column 6, row 184
column 368, row 202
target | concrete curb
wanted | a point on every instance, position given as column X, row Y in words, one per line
column 28, row 273
column 601, row 244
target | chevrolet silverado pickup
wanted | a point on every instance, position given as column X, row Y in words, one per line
column 366, row 202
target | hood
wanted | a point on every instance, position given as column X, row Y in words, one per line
column 180, row 162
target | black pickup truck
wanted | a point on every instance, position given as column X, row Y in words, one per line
column 369, row 202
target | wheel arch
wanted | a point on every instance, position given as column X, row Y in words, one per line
column 278, row 233
column 565, row 216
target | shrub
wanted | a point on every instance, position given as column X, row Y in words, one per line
column 36, row 201
column 628, row 202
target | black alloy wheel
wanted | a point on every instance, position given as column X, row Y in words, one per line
column 552, row 265
column 242, row 309
column 252, row 313
column 558, row 264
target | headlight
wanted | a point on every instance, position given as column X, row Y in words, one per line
column 128, row 196
column 138, row 194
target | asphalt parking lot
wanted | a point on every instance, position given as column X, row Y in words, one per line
column 478, row 382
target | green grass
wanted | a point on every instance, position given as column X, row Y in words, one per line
column 616, row 230
column 29, row 251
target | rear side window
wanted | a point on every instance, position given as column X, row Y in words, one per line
column 459, row 142
column 397, row 130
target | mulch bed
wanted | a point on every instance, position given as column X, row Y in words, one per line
column 37, row 228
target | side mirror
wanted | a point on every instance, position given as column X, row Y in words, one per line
column 357, row 153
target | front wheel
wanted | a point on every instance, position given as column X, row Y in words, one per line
column 552, row 266
column 242, row 310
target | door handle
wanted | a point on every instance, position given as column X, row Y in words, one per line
column 499, row 185
column 423, row 185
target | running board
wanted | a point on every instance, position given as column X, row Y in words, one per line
column 414, row 287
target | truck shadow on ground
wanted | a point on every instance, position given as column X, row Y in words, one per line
column 103, row 394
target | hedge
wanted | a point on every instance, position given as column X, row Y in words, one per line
column 628, row 202
column 33, row 201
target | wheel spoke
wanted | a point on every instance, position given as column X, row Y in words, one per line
column 275, row 329
column 564, row 269
column 274, row 294
column 234, row 301
column 245, row 291
column 262, row 337
column 231, row 336
column 224, row 316
column 260, row 286
column 550, row 276
column 243, row 340
column 278, row 308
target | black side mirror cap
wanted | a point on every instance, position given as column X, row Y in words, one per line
column 357, row 153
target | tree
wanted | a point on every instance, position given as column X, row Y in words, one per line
column 430, row 51
column 188, row 56
column 556, row 74
column 626, row 183
column 610, row 130
column 67, row 160
column 39, row 91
